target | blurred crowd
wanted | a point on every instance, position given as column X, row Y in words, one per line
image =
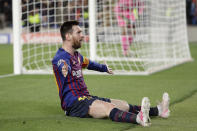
column 191, row 9
column 48, row 13
column 5, row 13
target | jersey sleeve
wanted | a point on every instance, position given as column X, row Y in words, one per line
column 63, row 67
column 96, row 66
column 91, row 65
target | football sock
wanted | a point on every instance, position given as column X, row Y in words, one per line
column 153, row 111
column 122, row 116
column 135, row 109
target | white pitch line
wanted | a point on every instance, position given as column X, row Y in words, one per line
column 7, row 75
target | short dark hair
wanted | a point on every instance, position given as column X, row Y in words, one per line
column 66, row 27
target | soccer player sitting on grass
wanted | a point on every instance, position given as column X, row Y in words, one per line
column 75, row 98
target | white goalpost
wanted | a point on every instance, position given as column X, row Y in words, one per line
column 134, row 37
column 17, row 58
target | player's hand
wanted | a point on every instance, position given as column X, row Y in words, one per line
column 109, row 70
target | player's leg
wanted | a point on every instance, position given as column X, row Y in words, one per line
column 162, row 109
column 124, row 40
column 135, row 109
column 120, row 104
column 131, row 32
column 101, row 109
column 128, row 32
column 123, row 105
column 124, row 37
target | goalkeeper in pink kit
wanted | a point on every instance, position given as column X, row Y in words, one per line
column 127, row 12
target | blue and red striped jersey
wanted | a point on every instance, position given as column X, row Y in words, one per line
column 69, row 78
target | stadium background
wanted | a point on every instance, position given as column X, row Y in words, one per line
column 31, row 102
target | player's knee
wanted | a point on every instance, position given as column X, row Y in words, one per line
column 100, row 109
column 121, row 104
column 110, row 106
column 125, row 103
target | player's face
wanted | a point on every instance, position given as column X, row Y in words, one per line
column 77, row 37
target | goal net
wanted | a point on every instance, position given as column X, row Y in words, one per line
column 134, row 37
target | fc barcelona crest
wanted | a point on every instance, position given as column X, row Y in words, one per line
column 65, row 69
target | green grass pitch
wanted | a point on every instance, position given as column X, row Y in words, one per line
column 31, row 102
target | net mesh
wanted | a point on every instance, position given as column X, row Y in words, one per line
column 132, row 36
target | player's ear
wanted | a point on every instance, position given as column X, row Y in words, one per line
column 68, row 36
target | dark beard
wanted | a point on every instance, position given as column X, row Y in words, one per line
column 76, row 45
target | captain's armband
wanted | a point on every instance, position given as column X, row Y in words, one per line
column 85, row 62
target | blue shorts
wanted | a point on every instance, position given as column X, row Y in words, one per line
column 81, row 106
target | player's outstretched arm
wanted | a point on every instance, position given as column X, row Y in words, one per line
column 92, row 65
column 109, row 70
